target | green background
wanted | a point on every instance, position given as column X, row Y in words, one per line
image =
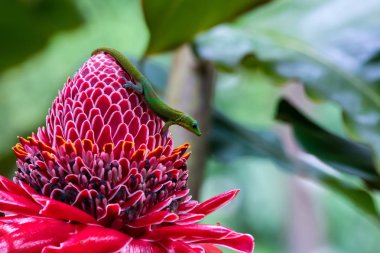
column 322, row 198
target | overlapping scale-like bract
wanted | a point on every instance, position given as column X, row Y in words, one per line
column 103, row 151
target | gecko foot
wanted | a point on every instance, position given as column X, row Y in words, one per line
column 130, row 85
column 164, row 135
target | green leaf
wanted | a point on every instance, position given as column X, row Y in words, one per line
column 176, row 22
column 357, row 196
column 330, row 55
column 27, row 26
column 238, row 99
column 230, row 140
column 342, row 154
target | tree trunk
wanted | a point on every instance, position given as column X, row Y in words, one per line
column 190, row 89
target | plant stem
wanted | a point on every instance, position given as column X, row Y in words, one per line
column 190, row 89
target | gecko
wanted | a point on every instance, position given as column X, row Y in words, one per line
column 143, row 86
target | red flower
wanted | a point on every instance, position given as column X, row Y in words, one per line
column 100, row 178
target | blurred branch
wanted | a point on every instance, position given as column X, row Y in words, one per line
column 305, row 226
column 190, row 89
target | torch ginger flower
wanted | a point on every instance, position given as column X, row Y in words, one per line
column 101, row 178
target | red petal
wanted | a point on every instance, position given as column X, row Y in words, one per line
column 155, row 153
column 94, row 239
column 142, row 136
column 103, row 103
column 134, row 126
column 28, row 189
column 153, row 218
column 59, row 210
column 97, row 125
column 90, row 135
column 128, row 116
column 120, row 133
column 14, row 203
column 176, row 247
column 124, row 105
column 10, row 186
column 236, row 241
column 87, row 106
column 138, row 155
column 115, row 96
column 161, row 205
column 181, row 194
column 210, row 248
column 31, row 234
column 112, row 211
column 134, row 100
column 178, row 231
column 133, row 199
column 181, row 149
column 93, row 113
column 127, row 147
column 187, row 206
column 113, row 108
column 204, row 234
column 115, row 120
column 20, row 152
column 85, row 127
column 215, row 203
column 79, row 119
column 104, row 137
column 189, row 218
column 138, row 111
column 72, row 134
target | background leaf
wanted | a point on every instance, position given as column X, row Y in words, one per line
column 28, row 89
column 329, row 56
column 345, row 155
column 27, row 26
column 171, row 23
column 230, row 140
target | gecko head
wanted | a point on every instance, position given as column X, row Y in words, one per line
column 190, row 124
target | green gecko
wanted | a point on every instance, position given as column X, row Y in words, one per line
column 168, row 114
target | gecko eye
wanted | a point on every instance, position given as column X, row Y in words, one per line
column 195, row 125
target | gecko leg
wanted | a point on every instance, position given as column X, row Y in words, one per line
column 129, row 85
column 165, row 129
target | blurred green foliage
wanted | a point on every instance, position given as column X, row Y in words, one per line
column 26, row 91
column 335, row 54
column 27, row 26
column 345, row 155
column 173, row 23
